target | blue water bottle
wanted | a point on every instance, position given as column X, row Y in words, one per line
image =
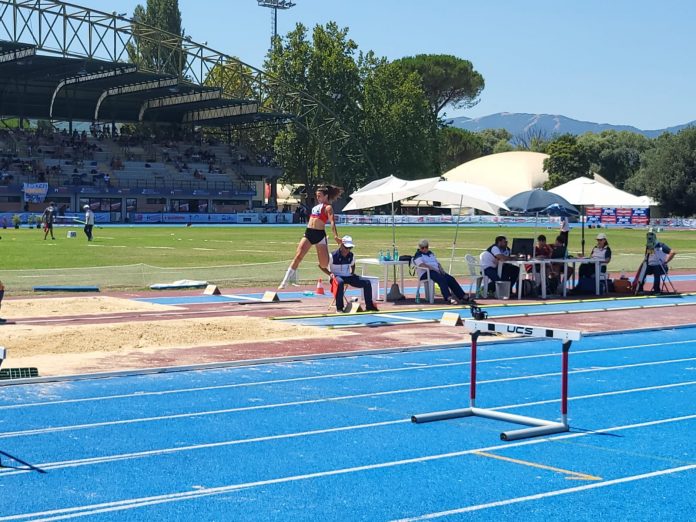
column 396, row 254
column 381, row 255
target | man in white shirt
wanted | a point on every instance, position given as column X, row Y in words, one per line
column 490, row 258
column 425, row 259
column 89, row 222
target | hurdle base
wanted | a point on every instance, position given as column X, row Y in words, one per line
column 539, row 426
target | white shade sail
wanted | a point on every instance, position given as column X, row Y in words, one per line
column 463, row 194
column 387, row 190
column 589, row 192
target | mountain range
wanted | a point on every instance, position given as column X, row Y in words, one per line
column 522, row 124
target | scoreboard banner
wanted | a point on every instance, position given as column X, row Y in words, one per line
column 617, row 216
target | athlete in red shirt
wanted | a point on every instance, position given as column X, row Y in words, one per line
column 315, row 233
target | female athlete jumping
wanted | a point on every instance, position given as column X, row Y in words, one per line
column 315, row 233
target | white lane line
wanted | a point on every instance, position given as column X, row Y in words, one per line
column 406, row 319
column 40, row 431
column 78, row 511
column 166, row 451
column 548, row 494
column 331, row 376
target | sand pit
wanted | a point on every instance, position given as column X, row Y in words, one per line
column 59, row 349
column 66, row 306
column 101, row 346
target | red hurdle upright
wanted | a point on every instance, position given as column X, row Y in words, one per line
column 539, row 426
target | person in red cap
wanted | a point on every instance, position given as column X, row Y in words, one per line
column 342, row 272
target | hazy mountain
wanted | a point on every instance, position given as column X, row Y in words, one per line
column 522, row 124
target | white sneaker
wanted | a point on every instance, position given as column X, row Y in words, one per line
column 290, row 276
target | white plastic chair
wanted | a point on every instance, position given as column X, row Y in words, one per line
column 428, row 284
column 477, row 277
column 482, row 288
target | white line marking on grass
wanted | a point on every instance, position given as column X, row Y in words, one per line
column 548, row 494
column 120, row 505
column 330, row 376
column 159, row 248
column 55, row 429
column 205, row 249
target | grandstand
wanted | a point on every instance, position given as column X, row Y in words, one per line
column 70, row 66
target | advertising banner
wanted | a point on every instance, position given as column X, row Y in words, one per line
column 35, row 192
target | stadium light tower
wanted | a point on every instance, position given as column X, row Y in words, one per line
column 275, row 5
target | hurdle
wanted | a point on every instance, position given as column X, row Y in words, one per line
column 539, row 426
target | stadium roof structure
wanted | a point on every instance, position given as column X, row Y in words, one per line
column 64, row 62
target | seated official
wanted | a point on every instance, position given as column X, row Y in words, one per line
column 342, row 270
column 657, row 263
column 559, row 251
column 492, row 257
column 542, row 250
column 601, row 252
column 425, row 259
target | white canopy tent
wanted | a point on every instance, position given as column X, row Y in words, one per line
column 589, row 192
column 585, row 191
column 386, row 191
column 382, row 192
column 464, row 195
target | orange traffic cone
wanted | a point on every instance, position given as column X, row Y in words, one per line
column 320, row 287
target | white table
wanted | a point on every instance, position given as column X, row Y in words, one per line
column 521, row 263
column 579, row 261
column 373, row 261
column 544, row 262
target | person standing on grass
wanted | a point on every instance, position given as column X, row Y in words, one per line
column 89, row 222
column 315, row 233
column 564, row 229
column 48, row 218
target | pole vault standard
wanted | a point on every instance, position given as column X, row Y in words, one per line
column 539, row 426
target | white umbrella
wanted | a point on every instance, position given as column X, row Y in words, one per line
column 388, row 190
column 464, row 195
column 585, row 192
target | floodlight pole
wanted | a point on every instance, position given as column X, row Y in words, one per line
column 275, row 5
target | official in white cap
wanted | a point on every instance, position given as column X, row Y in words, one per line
column 342, row 272
column 89, row 222
column 602, row 252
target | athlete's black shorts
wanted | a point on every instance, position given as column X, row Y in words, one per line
column 315, row 236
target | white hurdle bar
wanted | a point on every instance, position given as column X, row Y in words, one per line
column 540, row 426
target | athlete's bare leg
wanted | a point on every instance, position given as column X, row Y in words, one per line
column 291, row 274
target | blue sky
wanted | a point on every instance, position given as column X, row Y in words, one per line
column 611, row 61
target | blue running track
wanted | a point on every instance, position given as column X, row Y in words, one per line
column 330, row 439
